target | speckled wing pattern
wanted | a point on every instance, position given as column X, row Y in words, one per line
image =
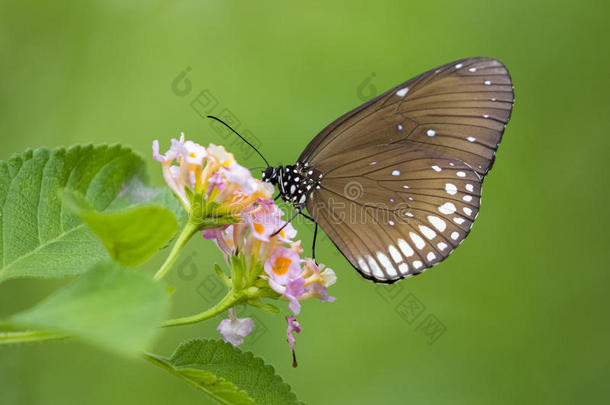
column 402, row 173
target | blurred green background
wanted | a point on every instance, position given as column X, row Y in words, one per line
column 518, row 314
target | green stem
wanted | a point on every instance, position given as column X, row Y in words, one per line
column 7, row 338
column 189, row 230
column 231, row 299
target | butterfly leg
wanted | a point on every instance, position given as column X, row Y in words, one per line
column 308, row 217
column 315, row 235
column 313, row 247
column 287, row 222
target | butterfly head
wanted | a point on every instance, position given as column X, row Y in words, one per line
column 270, row 175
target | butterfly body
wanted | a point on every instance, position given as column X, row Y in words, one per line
column 295, row 182
column 396, row 182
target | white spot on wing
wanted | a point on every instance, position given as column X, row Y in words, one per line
column 471, row 139
column 472, row 70
column 428, row 233
column 458, row 220
column 403, row 268
column 363, row 266
column 469, row 187
column 431, row 132
column 419, row 242
column 468, row 211
column 431, row 256
column 372, row 163
column 387, row 264
column 402, row 92
column 399, row 127
column 375, row 268
column 487, row 83
column 450, row 189
column 396, row 256
column 467, row 198
column 455, row 235
column 447, row 208
column 395, row 173
column 417, row 264
column 437, row 223
column 442, row 245
column 405, row 248
column 436, row 168
column 458, row 66
column 460, row 174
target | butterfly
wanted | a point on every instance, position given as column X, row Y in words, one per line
column 396, row 182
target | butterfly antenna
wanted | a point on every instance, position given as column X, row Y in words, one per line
column 242, row 138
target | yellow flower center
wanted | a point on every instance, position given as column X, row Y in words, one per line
column 281, row 265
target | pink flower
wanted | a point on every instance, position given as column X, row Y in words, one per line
column 211, row 173
column 296, row 246
column 283, row 265
column 234, row 330
column 317, row 281
column 172, row 174
column 261, row 223
column 294, row 290
column 284, row 270
column 242, row 176
column 216, row 180
column 267, row 204
column 223, row 237
column 220, row 155
column 213, row 233
column 171, row 154
column 293, row 326
column 192, row 152
column 287, row 233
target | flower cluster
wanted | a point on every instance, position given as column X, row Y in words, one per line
column 259, row 246
column 276, row 259
column 209, row 176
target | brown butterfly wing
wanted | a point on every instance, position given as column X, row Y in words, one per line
column 402, row 173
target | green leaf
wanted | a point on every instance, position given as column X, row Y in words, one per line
column 226, row 373
column 131, row 235
column 223, row 391
column 38, row 237
column 108, row 306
